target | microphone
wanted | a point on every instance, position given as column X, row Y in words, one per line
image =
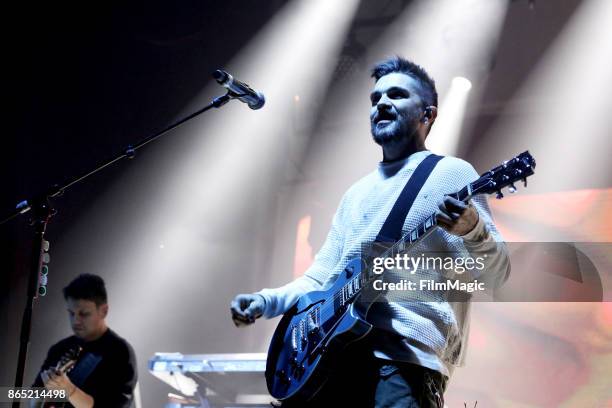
column 254, row 99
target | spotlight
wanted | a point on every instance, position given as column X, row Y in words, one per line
column 462, row 83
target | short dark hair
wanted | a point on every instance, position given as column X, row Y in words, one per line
column 404, row 66
column 87, row 287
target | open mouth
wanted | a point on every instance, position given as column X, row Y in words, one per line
column 384, row 118
column 381, row 123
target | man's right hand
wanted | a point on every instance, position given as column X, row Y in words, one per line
column 246, row 308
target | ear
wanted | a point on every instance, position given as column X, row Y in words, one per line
column 432, row 113
column 429, row 117
column 104, row 310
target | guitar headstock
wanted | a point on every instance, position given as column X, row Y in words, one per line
column 505, row 175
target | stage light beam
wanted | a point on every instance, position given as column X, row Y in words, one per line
column 445, row 134
column 225, row 181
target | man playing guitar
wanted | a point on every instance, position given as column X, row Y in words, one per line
column 104, row 374
column 410, row 354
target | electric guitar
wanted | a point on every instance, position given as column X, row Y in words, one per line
column 312, row 334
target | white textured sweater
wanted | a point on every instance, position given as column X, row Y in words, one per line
column 431, row 334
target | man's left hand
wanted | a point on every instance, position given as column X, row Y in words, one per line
column 456, row 217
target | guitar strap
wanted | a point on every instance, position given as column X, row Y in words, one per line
column 84, row 367
column 391, row 230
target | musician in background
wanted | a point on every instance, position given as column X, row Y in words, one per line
column 408, row 358
column 104, row 374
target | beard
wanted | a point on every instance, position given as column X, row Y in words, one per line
column 391, row 132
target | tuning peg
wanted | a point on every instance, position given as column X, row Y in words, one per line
column 499, row 195
column 512, row 189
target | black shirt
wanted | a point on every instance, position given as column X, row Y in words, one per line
column 111, row 364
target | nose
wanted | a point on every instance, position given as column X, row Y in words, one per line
column 384, row 103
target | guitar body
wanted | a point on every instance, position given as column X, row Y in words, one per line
column 311, row 337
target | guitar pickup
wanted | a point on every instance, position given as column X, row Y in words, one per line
column 294, row 339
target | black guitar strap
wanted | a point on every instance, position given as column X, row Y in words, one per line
column 391, row 230
column 83, row 368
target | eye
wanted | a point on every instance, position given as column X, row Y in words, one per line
column 374, row 98
column 398, row 94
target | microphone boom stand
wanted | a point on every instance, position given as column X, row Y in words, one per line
column 42, row 212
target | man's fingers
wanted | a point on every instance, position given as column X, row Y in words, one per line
column 445, row 222
column 49, row 379
column 67, row 366
column 455, row 216
column 443, row 218
column 241, row 321
column 454, row 205
column 451, row 208
column 446, row 213
column 234, row 307
column 253, row 311
column 241, row 310
column 239, row 315
column 245, row 301
column 240, row 303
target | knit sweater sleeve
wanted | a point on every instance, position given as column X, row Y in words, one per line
column 279, row 300
column 485, row 240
